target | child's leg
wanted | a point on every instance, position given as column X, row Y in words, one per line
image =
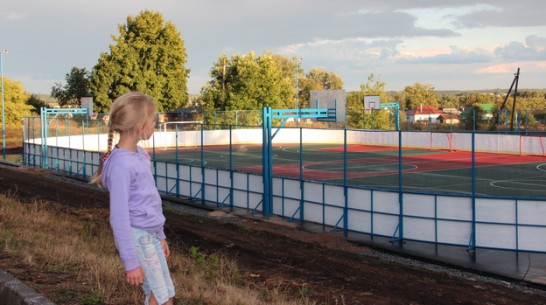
column 152, row 260
column 153, row 301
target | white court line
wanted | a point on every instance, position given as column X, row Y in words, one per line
column 520, row 182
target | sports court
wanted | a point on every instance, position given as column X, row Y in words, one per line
column 423, row 170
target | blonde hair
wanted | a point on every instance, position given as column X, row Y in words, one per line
column 129, row 113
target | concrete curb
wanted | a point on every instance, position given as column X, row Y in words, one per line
column 15, row 292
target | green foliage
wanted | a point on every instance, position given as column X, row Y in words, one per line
column 92, row 300
column 357, row 117
column 530, row 108
column 419, row 94
column 210, row 263
column 195, row 255
column 317, row 79
column 306, row 292
column 148, row 56
column 306, row 85
column 247, row 82
column 76, row 87
column 223, row 119
column 36, row 103
column 474, row 113
column 327, row 80
column 374, row 86
column 290, row 69
column 15, row 98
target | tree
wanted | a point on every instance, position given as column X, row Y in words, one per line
column 419, row 94
column 36, row 103
column 149, row 56
column 472, row 118
column 327, row 80
column 15, row 107
column 77, row 86
column 247, row 82
column 356, row 116
column 318, row 79
column 290, row 69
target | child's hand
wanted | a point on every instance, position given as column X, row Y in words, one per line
column 165, row 247
column 135, row 277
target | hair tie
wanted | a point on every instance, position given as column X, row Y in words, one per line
column 103, row 157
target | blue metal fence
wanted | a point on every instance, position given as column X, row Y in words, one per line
column 468, row 218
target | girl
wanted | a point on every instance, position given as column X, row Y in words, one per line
column 136, row 214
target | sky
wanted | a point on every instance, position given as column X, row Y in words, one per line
column 450, row 45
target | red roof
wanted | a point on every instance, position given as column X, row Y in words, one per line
column 424, row 110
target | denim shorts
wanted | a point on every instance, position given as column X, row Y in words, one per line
column 154, row 264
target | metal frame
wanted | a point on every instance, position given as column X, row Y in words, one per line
column 268, row 115
column 396, row 106
column 44, row 123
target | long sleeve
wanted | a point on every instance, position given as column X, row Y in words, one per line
column 119, row 184
column 134, row 201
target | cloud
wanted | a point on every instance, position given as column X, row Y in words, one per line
column 344, row 54
column 351, row 48
column 16, row 16
column 505, row 13
column 527, row 68
column 536, row 43
column 496, row 69
column 456, row 55
column 279, row 23
column 534, row 48
column 436, row 38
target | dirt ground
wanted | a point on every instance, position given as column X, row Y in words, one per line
column 269, row 252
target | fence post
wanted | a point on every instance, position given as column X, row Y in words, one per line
column 177, row 164
column 302, row 191
column 230, row 167
column 400, row 189
column 345, row 188
column 472, row 243
column 202, row 167
column 267, row 163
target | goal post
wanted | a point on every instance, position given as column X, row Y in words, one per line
column 532, row 145
column 163, row 128
column 440, row 143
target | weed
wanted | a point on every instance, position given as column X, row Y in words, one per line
column 306, row 292
column 92, row 300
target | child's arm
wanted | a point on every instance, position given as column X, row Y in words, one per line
column 118, row 182
column 165, row 247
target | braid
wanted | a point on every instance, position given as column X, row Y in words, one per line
column 110, row 141
column 102, row 157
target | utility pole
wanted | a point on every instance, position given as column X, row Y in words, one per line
column 3, row 116
column 515, row 81
column 298, row 64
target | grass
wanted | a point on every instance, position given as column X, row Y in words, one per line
column 74, row 247
column 14, row 135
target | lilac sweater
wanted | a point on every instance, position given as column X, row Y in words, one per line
column 134, row 200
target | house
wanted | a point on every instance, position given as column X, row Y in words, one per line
column 451, row 110
column 424, row 114
column 449, row 119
